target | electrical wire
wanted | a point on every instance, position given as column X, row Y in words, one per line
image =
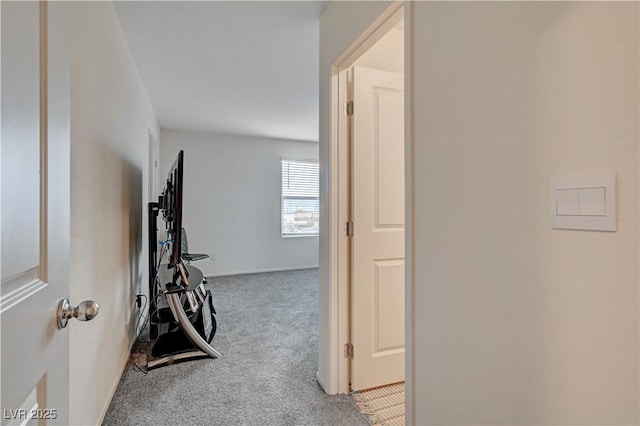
column 155, row 295
column 136, row 357
column 156, row 291
column 140, row 330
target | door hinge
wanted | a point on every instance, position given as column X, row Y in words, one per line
column 348, row 108
column 348, row 350
column 348, row 229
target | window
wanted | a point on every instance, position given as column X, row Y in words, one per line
column 300, row 198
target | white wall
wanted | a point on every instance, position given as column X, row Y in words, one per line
column 110, row 115
column 515, row 322
column 232, row 201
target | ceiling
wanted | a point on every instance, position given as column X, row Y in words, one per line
column 229, row 67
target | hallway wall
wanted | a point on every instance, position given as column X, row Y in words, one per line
column 110, row 117
column 515, row 322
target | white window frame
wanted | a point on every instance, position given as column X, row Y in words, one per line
column 282, row 198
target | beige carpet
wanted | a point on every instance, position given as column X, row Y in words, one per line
column 383, row 405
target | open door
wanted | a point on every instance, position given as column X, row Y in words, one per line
column 377, row 171
column 35, row 211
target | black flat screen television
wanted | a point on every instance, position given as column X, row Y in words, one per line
column 171, row 207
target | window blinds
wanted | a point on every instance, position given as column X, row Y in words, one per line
column 300, row 197
column 300, row 178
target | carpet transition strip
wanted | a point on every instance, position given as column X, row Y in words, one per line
column 383, row 405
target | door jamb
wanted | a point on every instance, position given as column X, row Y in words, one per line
column 340, row 149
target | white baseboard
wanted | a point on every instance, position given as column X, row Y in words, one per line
column 320, row 382
column 257, row 271
column 125, row 363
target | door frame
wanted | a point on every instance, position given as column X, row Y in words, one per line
column 340, row 255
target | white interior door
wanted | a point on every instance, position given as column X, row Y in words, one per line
column 35, row 211
column 378, row 240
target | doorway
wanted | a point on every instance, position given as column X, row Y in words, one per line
column 368, row 101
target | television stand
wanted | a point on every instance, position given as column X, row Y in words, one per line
column 182, row 324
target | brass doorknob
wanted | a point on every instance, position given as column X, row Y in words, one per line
column 85, row 311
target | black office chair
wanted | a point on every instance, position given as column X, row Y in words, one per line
column 190, row 257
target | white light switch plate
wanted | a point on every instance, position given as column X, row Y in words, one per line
column 585, row 202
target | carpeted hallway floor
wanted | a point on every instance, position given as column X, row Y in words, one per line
column 267, row 332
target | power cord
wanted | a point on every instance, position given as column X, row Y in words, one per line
column 138, row 358
column 140, row 330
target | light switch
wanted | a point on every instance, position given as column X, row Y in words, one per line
column 567, row 202
column 592, row 202
column 586, row 202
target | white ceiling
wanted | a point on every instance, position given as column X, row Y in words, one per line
column 229, row 67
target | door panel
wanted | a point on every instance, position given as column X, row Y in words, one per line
column 28, row 406
column 378, row 216
column 389, row 307
column 389, row 192
column 35, row 211
column 20, row 122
